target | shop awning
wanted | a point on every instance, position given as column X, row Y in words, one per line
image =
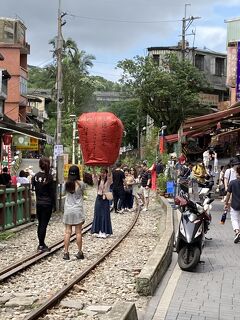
column 212, row 119
column 195, row 133
column 15, row 129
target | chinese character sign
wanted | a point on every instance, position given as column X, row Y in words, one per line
column 231, row 66
column 238, row 73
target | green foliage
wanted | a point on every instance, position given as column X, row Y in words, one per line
column 162, row 182
column 129, row 161
column 165, row 158
column 150, row 148
column 129, row 111
column 6, row 235
column 43, row 78
column 102, row 84
column 169, row 93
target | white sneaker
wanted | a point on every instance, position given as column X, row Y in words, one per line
column 104, row 235
column 99, row 235
column 144, row 209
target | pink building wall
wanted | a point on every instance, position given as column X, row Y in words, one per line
column 15, row 105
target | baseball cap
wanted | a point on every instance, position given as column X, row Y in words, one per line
column 73, row 171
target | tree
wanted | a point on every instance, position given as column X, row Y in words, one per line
column 170, row 93
column 129, row 111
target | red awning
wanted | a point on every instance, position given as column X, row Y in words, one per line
column 210, row 119
column 196, row 133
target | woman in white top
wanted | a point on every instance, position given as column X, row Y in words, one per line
column 22, row 179
column 102, row 220
column 73, row 211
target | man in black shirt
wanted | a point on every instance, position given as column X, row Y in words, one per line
column 233, row 192
column 144, row 191
column 118, row 188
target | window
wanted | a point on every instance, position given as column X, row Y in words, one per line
column 1, row 108
column 219, row 67
column 23, row 86
column 199, row 61
column 156, row 59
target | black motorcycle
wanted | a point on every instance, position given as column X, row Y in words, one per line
column 194, row 222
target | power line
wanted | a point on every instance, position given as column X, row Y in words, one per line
column 122, row 21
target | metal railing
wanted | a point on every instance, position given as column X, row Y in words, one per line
column 15, row 206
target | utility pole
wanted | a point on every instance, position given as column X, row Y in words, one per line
column 59, row 76
column 58, row 147
column 184, row 33
column 186, row 22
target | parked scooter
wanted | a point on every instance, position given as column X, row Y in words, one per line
column 194, row 224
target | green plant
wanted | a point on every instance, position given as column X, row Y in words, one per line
column 165, row 158
column 162, row 182
column 5, row 235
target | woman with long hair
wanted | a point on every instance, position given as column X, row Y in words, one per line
column 73, row 211
column 102, row 219
column 43, row 185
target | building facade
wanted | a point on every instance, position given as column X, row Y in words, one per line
column 14, row 48
column 212, row 64
column 233, row 58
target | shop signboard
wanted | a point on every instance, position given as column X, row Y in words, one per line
column 231, row 66
column 238, row 73
column 22, row 142
column 58, row 150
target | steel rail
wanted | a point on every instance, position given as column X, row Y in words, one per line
column 41, row 310
column 35, row 257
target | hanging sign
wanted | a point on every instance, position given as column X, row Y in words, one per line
column 25, row 143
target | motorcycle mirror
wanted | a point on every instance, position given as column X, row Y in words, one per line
column 204, row 191
column 192, row 217
column 200, row 208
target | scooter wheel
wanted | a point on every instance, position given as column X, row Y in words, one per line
column 188, row 257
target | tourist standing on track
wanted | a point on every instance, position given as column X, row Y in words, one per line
column 233, row 198
column 129, row 181
column 43, row 185
column 145, row 181
column 73, row 211
column 102, row 220
column 118, row 177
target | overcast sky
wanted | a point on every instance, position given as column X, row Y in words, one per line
column 113, row 30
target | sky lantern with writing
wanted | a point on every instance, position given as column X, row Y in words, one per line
column 100, row 137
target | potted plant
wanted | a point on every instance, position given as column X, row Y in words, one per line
column 162, row 184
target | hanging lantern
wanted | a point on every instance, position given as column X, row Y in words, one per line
column 7, row 139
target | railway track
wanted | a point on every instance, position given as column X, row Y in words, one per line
column 33, row 258
column 42, row 309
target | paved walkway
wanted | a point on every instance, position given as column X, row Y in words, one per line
column 212, row 291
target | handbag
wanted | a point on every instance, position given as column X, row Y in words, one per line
column 108, row 195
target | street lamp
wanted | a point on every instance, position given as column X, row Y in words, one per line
column 141, row 142
column 73, row 117
column 160, row 142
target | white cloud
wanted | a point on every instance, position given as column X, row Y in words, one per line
column 213, row 38
column 112, row 40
